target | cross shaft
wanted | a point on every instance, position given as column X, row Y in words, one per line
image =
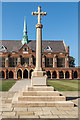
column 39, row 13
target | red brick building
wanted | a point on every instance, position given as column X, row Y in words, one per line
column 18, row 59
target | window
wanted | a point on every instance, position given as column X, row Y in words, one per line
column 25, row 49
column 48, row 48
column 49, row 62
column 60, row 62
column 13, row 62
column 24, row 60
column 2, row 62
column 2, row 48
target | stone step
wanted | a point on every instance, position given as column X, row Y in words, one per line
column 40, row 88
column 41, row 98
column 43, row 104
column 41, row 93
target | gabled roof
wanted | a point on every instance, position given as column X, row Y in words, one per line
column 12, row 45
column 57, row 46
column 15, row 45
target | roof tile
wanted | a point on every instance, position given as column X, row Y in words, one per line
column 15, row 45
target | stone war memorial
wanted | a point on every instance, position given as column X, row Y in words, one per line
column 39, row 94
column 38, row 81
column 38, row 77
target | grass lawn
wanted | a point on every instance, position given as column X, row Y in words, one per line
column 60, row 85
column 64, row 85
column 5, row 85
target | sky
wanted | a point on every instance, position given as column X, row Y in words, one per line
column 61, row 22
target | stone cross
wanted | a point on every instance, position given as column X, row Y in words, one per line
column 39, row 39
column 39, row 13
column 38, row 78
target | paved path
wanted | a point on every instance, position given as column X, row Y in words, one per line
column 8, row 111
column 19, row 85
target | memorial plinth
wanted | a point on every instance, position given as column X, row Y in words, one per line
column 38, row 78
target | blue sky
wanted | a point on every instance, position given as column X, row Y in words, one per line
column 61, row 22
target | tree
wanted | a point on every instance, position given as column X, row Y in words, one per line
column 71, row 61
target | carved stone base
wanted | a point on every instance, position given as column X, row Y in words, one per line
column 38, row 78
column 37, row 73
column 38, row 81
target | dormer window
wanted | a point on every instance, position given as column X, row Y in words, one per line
column 25, row 50
column 48, row 48
column 2, row 48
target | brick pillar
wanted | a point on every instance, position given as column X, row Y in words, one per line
column 6, row 62
column 64, row 75
column 78, row 74
column 67, row 49
column 55, row 61
column 15, row 74
column 43, row 61
column 22, row 74
column 67, row 57
column 51, row 75
column 67, row 61
column 18, row 61
column 30, row 60
column 57, row 74
column 70, row 75
column 5, row 74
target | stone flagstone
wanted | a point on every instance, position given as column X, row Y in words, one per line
column 42, row 112
column 20, row 100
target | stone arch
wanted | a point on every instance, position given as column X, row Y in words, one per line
column 54, row 74
column 19, row 74
column 19, row 69
column 10, row 74
column 30, row 72
column 75, row 74
column 25, row 73
column 2, row 74
column 48, row 74
column 67, row 74
column 61, row 74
